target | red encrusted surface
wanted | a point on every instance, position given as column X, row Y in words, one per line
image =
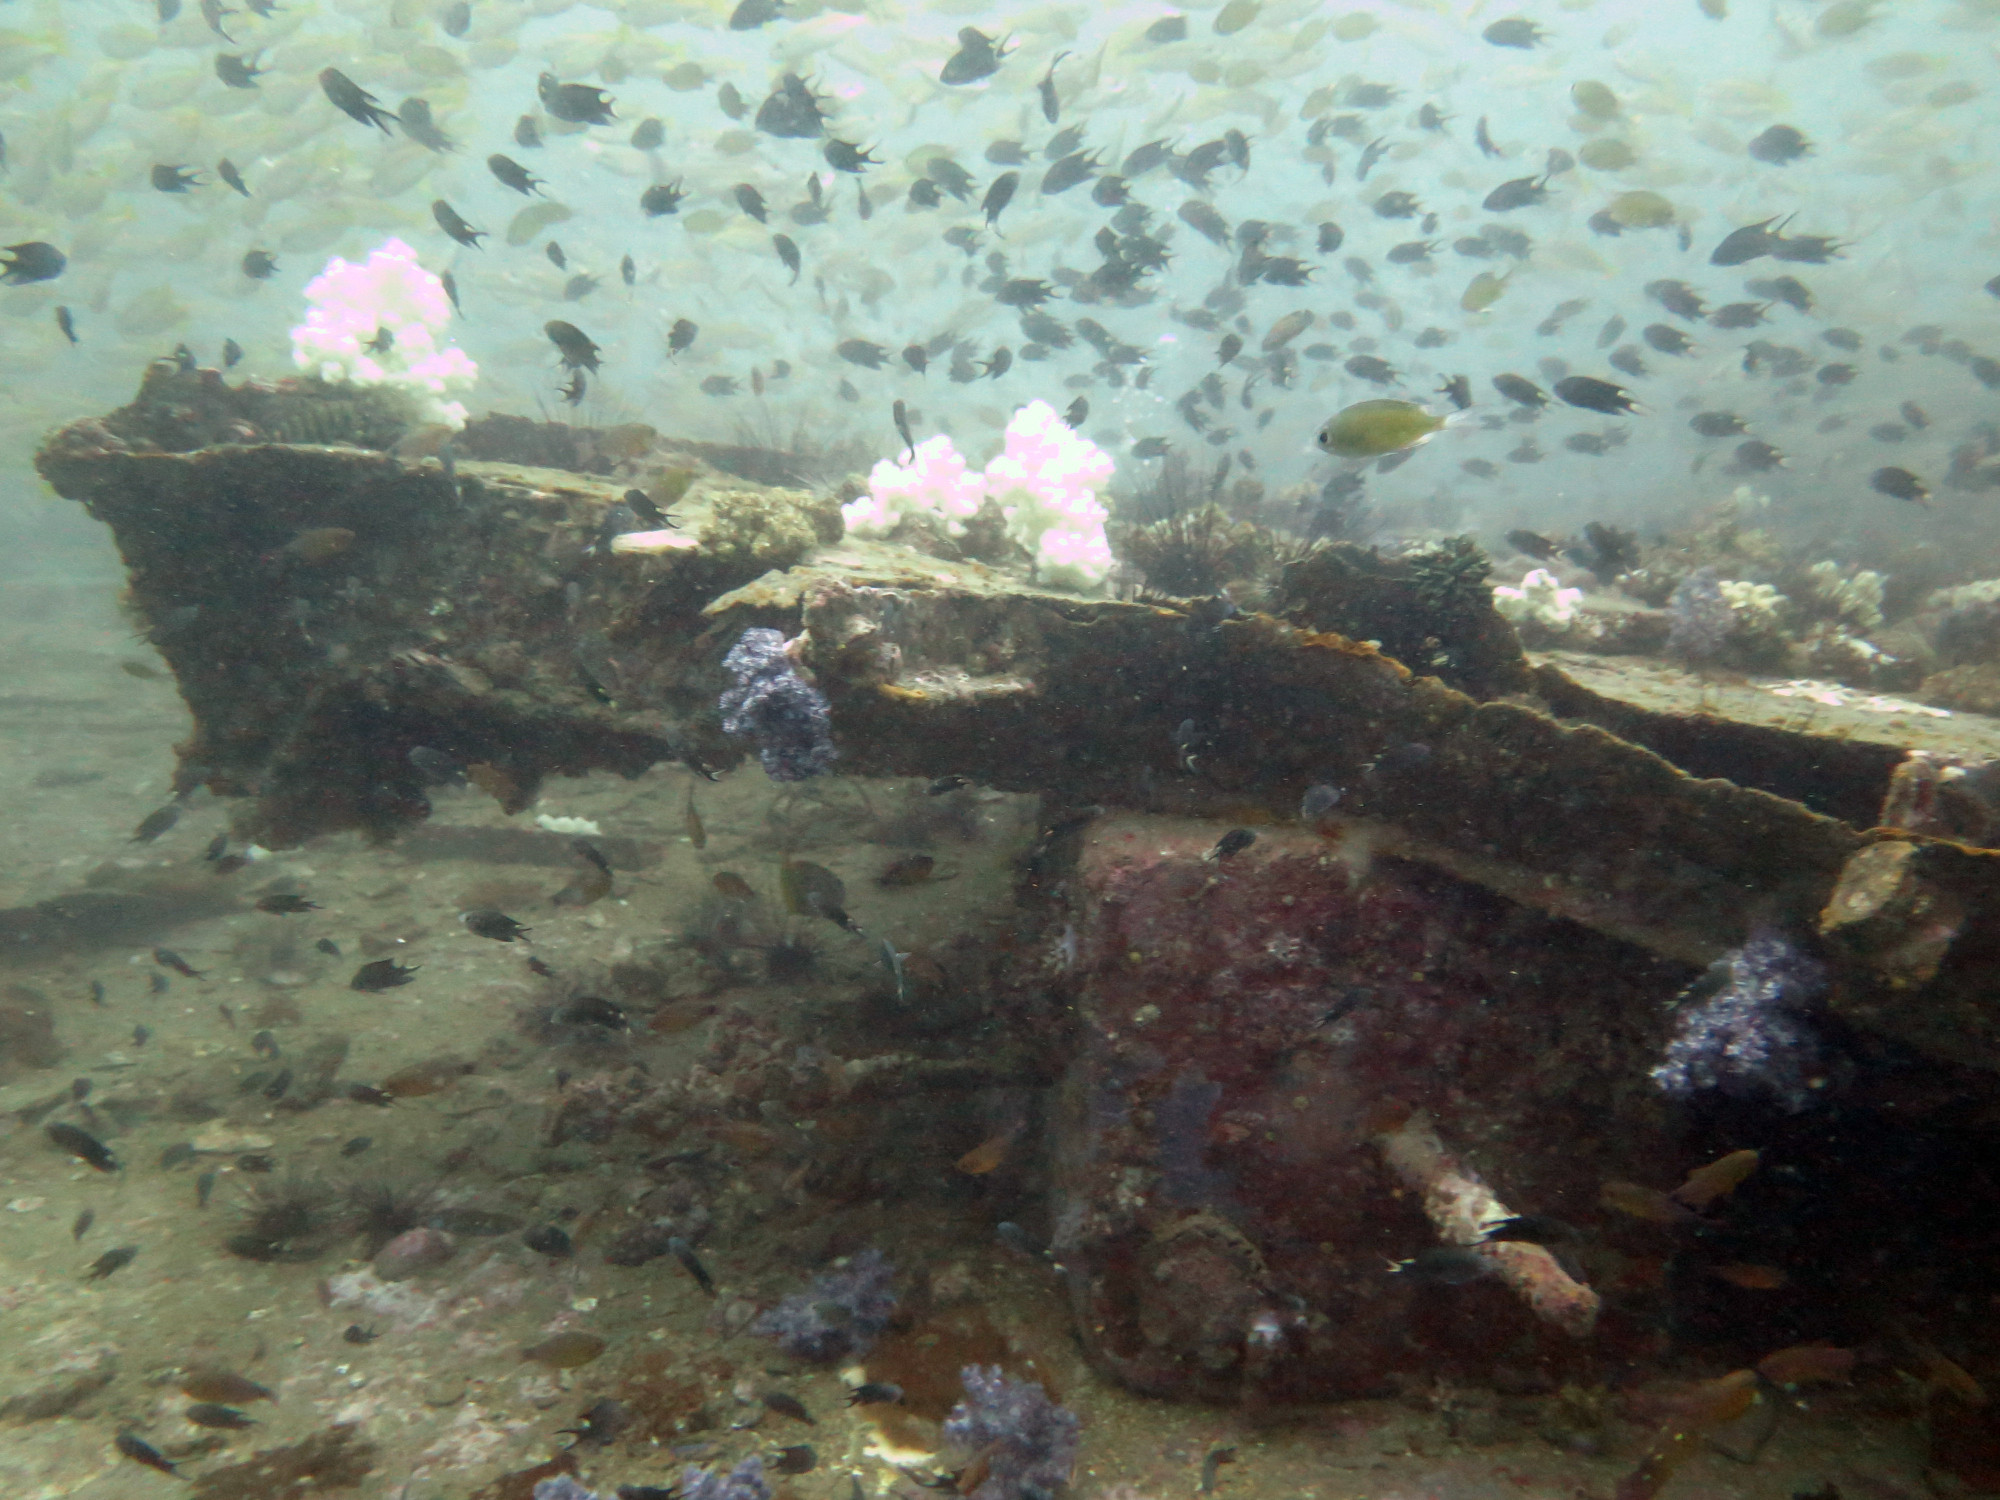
column 1320, row 997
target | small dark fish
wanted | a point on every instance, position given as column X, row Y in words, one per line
column 861, row 352
column 354, row 1333
column 204, row 1187
column 449, row 221
column 681, row 336
column 556, row 257
column 1051, row 106
column 1778, row 145
column 844, row 156
column 512, row 174
column 751, row 202
column 527, row 134
column 978, row 57
column 232, row 354
column 415, row 118
column 1457, row 389
column 365, row 1093
column 683, row 1252
column 786, row 1404
column 166, row 958
column 327, row 946
column 661, row 199
column 1074, row 414
column 750, row 14
column 356, row 1146
column 547, row 1239
column 1595, row 395
column 797, row 1459
column 112, row 1261
column 215, row 1414
column 1899, row 484
column 1531, row 1229
column 1739, row 314
column 174, row 179
column 156, row 823
column 259, row 265
column 142, row 1452
column 234, row 72
column 1717, row 424
column 1446, row 1265
column 649, row 135
column 1756, row 457
column 1514, row 31
column 788, row 252
column 875, row 1393
column 1521, row 192
column 577, row 349
column 285, row 904
column 1666, row 338
column 226, row 170
column 1749, row 243
column 491, row 922
column 900, row 414
column 1233, row 842
column 31, row 261
column 999, row 195
column 382, row 974
column 917, row 357
column 81, row 1226
column 354, row 101
column 574, row 103
column 1484, row 141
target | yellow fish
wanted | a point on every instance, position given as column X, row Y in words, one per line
column 1369, row 429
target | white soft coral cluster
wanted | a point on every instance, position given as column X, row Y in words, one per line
column 1540, row 600
column 1045, row 480
column 349, row 305
column 933, row 478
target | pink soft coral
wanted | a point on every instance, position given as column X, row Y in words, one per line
column 933, row 477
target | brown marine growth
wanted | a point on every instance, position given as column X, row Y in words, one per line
column 430, row 1076
column 569, row 1350
column 336, row 1459
column 1712, row 1404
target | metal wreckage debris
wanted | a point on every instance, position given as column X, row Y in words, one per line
column 1294, row 1040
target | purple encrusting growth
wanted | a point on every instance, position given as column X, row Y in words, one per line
column 787, row 716
column 1700, row 617
column 1756, row 1037
column 841, row 1314
column 1028, row 1441
column 744, row 1482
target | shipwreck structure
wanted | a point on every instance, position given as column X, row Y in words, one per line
column 1430, row 1001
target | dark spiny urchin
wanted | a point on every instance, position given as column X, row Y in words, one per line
column 380, row 1208
column 1701, row 619
column 1755, row 1038
column 770, row 703
column 1193, row 553
column 289, row 1220
column 1027, row 1442
column 841, row 1314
